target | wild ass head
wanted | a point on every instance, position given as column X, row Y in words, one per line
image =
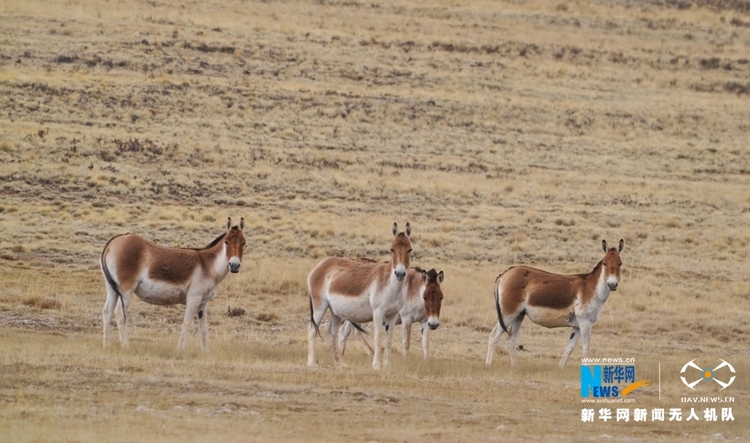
column 611, row 264
column 433, row 296
column 400, row 250
column 234, row 241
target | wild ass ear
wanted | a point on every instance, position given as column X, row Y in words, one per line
column 408, row 230
column 395, row 229
column 441, row 277
column 242, row 223
column 604, row 245
column 229, row 223
column 425, row 276
column 620, row 246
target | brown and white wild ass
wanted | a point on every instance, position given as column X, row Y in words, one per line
column 423, row 301
column 359, row 291
column 167, row 276
column 553, row 301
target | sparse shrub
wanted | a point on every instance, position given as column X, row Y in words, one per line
column 106, row 156
column 291, row 287
column 737, row 88
column 169, row 214
column 434, row 240
column 710, row 63
column 65, row 58
column 266, row 317
column 41, row 302
column 561, row 222
column 534, row 218
column 5, row 146
column 613, row 223
column 235, row 312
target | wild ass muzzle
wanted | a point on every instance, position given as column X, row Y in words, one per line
column 359, row 291
column 553, row 301
column 424, row 298
column 167, row 276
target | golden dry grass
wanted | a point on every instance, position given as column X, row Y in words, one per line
column 505, row 132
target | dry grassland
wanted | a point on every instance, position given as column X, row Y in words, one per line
column 506, row 132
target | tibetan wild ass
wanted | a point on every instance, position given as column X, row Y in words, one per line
column 359, row 291
column 423, row 301
column 167, row 276
column 553, row 301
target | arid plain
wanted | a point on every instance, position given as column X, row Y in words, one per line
column 505, row 132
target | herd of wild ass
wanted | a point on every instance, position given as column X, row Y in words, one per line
column 356, row 291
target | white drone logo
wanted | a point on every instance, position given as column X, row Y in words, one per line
column 708, row 374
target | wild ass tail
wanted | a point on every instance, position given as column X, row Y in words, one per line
column 359, row 328
column 312, row 318
column 112, row 283
column 499, row 311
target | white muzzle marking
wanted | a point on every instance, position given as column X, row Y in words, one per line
column 400, row 272
column 612, row 283
column 433, row 323
column 234, row 265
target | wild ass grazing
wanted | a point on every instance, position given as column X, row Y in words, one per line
column 553, row 301
column 423, row 301
column 167, row 276
column 359, row 291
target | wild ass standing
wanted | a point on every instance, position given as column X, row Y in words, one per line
column 423, row 301
column 359, row 291
column 553, row 301
column 167, row 276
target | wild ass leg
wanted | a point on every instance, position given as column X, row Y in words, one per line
column 571, row 345
column 389, row 327
column 191, row 308
column 346, row 331
column 513, row 328
column 203, row 325
column 377, row 326
column 425, row 340
column 585, row 335
column 495, row 335
column 334, row 332
column 107, row 312
column 311, row 344
column 315, row 318
column 344, row 336
column 121, row 316
column 363, row 341
column 406, row 335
